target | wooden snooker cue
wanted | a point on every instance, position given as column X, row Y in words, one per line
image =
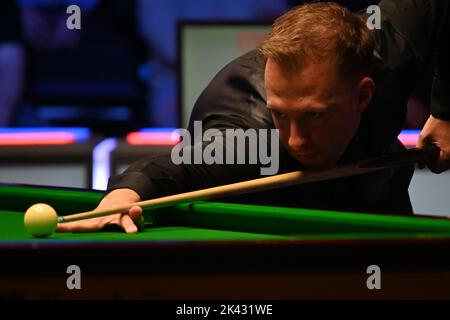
column 396, row 159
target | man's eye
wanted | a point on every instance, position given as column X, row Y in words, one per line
column 277, row 114
column 315, row 115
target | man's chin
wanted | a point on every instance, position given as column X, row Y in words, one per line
column 314, row 163
column 316, row 167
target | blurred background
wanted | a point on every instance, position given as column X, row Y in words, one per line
column 79, row 105
column 124, row 69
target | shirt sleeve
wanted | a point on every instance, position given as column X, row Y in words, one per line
column 419, row 31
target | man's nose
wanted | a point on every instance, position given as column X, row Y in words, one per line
column 297, row 136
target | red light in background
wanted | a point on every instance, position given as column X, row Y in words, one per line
column 162, row 138
column 36, row 138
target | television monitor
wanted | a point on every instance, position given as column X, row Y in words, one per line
column 205, row 48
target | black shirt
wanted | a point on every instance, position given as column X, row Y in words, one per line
column 412, row 33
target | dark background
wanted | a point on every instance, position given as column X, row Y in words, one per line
column 118, row 73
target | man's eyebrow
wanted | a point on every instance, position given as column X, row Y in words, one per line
column 312, row 107
column 321, row 107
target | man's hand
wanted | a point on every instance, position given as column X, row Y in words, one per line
column 127, row 221
column 437, row 131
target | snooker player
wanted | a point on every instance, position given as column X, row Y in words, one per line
column 336, row 90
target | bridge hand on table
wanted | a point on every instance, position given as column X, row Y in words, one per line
column 129, row 222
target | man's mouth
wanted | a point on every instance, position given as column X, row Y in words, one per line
column 305, row 154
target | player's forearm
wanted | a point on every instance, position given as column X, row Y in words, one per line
column 417, row 24
column 440, row 95
column 159, row 176
column 418, row 33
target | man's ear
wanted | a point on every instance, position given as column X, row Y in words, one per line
column 366, row 88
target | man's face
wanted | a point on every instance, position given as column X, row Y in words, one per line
column 316, row 111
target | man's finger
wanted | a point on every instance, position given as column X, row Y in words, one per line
column 127, row 224
column 434, row 166
column 79, row 226
column 440, row 165
column 136, row 215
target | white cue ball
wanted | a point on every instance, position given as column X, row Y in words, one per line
column 40, row 220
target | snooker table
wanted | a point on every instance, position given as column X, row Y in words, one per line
column 216, row 250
